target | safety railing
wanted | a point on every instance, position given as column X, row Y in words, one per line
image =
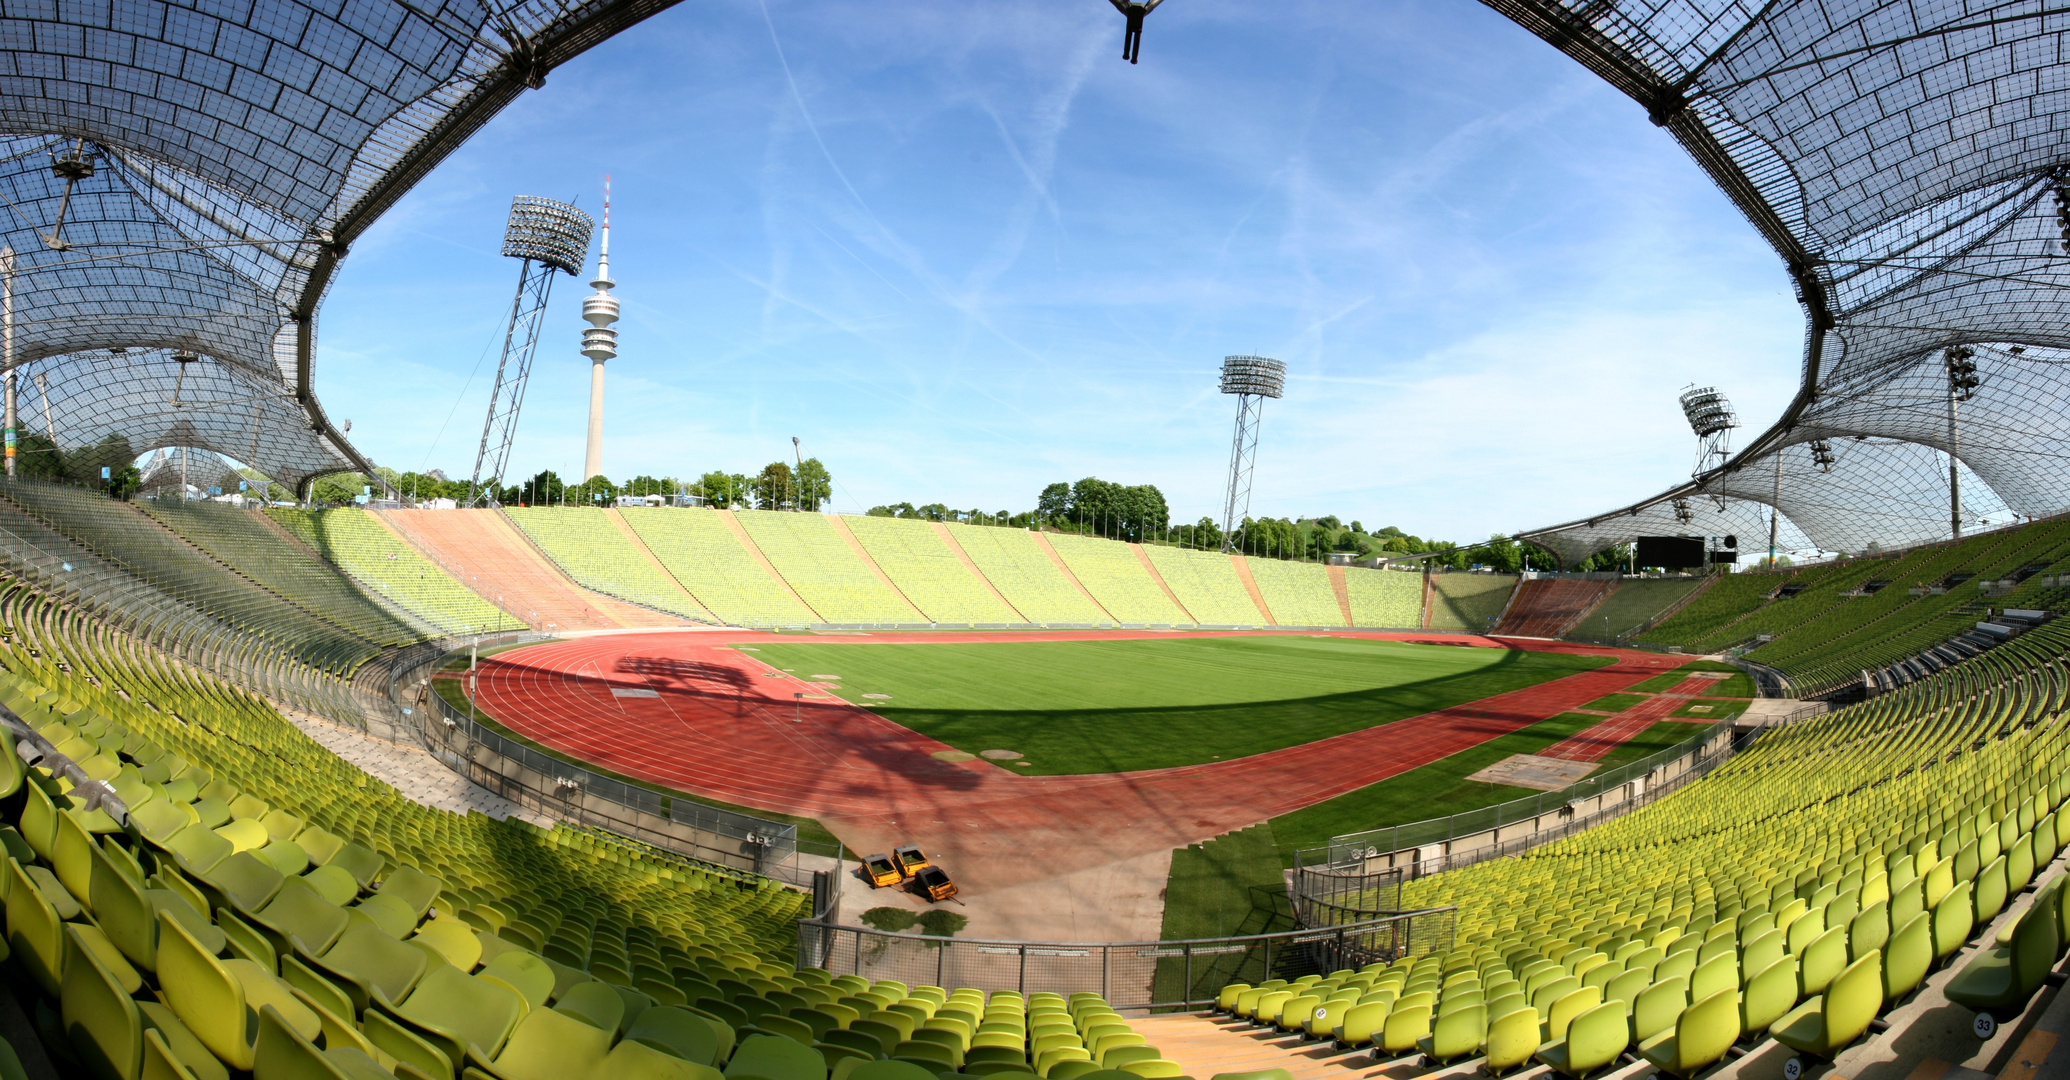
column 1428, row 846
column 542, row 782
column 1133, row 975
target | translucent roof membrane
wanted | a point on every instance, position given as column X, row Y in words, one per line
column 1905, row 160
column 235, row 150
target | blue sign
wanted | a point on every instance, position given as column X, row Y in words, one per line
column 104, row 472
column 240, row 485
column 215, row 491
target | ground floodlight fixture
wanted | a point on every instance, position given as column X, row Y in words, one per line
column 1251, row 379
column 548, row 235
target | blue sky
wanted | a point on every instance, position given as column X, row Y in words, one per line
column 964, row 250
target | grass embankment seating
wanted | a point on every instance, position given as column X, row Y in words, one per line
column 1298, row 593
column 1206, row 584
column 269, row 905
column 917, row 560
column 1805, row 886
column 1110, row 571
column 825, row 572
column 1631, row 605
column 120, row 534
column 1014, row 562
column 351, row 538
column 586, row 544
column 247, row 544
column 1463, row 601
column 1385, row 598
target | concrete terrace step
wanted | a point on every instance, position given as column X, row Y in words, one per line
column 1203, row 1046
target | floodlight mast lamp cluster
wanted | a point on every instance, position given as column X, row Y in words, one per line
column 1252, row 379
column 547, row 235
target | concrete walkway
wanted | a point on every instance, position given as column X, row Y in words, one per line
column 411, row 770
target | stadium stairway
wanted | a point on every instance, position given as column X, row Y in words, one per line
column 1549, row 607
column 497, row 561
column 1204, row 1046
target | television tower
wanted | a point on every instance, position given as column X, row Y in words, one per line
column 1252, row 379
column 599, row 342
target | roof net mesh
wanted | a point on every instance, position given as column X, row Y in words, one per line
column 181, row 176
column 1908, row 161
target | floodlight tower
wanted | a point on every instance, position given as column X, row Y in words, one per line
column 1252, row 379
column 546, row 235
column 1710, row 417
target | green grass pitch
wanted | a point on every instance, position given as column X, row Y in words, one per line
column 1116, row 706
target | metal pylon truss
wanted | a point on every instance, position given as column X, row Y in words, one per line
column 235, row 153
column 1908, row 162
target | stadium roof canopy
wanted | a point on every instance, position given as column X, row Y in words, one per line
column 181, row 180
column 1908, row 162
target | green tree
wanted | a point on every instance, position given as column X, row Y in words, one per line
column 722, row 489
column 124, row 482
column 543, row 489
column 83, row 465
column 595, row 491
column 1054, row 502
column 814, row 485
column 38, row 458
column 774, row 487
column 339, row 488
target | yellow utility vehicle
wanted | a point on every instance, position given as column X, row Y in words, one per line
column 935, row 884
column 910, row 859
column 880, row 871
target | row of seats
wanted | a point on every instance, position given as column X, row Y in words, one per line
column 1115, row 577
column 1804, row 887
column 586, row 544
column 825, row 571
column 1389, row 598
column 299, row 920
column 246, row 543
column 1014, row 561
column 917, row 559
column 1872, row 631
column 1549, row 607
column 1206, row 584
column 265, row 907
column 1299, row 593
column 1856, row 625
column 1464, row 601
column 353, row 540
column 120, row 534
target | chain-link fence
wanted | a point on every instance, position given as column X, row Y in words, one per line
column 1138, row 975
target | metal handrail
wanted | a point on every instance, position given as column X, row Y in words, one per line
column 1116, row 969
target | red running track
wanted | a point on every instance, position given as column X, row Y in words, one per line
column 1598, row 741
column 716, row 722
